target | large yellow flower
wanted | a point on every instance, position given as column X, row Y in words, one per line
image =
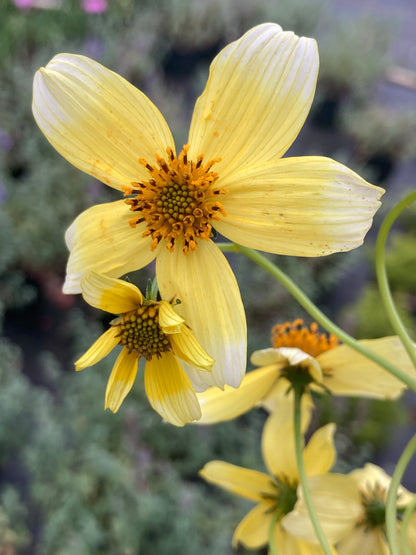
column 351, row 510
column 149, row 329
column 276, row 492
column 337, row 368
column 231, row 176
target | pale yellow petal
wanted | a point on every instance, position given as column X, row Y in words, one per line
column 288, row 356
column 253, row 530
column 97, row 120
column 411, row 534
column 268, row 356
column 371, row 475
column 169, row 319
column 98, row 350
column 365, row 541
column 306, row 206
column 170, row 391
column 121, row 379
column 287, row 544
column 244, row 482
column 320, row 454
column 278, row 443
column 347, row 372
column 110, row 294
column 219, row 405
column 101, row 240
column 186, row 346
column 337, row 503
column 211, row 306
column 257, row 97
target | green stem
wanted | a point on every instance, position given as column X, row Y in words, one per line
column 410, row 509
column 391, row 504
column 381, row 272
column 316, row 314
column 272, row 545
column 298, row 391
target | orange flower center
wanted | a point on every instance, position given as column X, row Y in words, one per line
column 179, row 200
column 309, row 340
column 140, row 331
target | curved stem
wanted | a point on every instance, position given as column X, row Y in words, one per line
column 410, row 509
column 314, row 311
column 381, row 273
column 272, row 545
column 391, row 504
column 302, row 473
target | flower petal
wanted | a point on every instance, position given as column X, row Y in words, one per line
column 257, row 97
column 97, row 120
column 219, row 405
column 186, row 346
column 370, row 541
column 288, row 356
column 253, row 530
column 170, row 391
column 337, row 503
column 121, row 379
column 99, row 349
column 169, row 319
column 244, row 482
column 113, row 295
column 287, row 544
column 212, row 307
column 100, row 239
column 371, row 476
column 306, row 206
column 347, row 372
column 278, row 440
column 320, row 454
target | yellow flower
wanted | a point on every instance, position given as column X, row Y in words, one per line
column 276, row 492
column 231, row 175
column 351, row 510
column 149, row 329
column 338, row 368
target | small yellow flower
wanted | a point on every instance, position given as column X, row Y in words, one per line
column 149, row 329
column 337, row 368
column 230, row 176
column 276, row 492
column 351, row 510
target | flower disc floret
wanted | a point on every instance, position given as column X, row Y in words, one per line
column 140, row 332
column 309, row 340
column 178, row 200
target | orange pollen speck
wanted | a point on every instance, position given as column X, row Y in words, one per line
column 309, row 340
column 178, row 201
column 139, row 331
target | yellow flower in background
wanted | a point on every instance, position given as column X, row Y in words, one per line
column 275, row 493
column 231, row 176
column 149, row 329
column 351, row 510
column 337, row 368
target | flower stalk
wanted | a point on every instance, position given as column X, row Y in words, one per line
column 298, row 392
column 391, row 503
column 382, row 279
column 315, row 312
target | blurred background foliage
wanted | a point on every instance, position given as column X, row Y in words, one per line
column 75, row 479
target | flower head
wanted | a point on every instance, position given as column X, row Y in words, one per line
column 149, row 329
column 230, row 175
column 320, row 361
column 276, row 492
column 352, row 511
